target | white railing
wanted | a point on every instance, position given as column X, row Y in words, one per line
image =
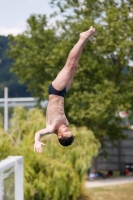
column 12, row 164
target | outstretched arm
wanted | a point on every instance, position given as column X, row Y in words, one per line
column 41, row 132
column 38, row 145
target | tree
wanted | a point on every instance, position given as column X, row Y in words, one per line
column 108, row 82
column 57, row 173
column 104, row 82
column 36, row 55
column 8, row 79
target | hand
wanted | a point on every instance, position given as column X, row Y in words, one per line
column 38, row 146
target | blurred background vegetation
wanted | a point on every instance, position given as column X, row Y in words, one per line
column 102, row 87
column 57, row 173
column 7, row 78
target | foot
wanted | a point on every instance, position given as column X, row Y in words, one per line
column 85, row 35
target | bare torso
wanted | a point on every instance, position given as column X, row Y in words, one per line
column 55, row 115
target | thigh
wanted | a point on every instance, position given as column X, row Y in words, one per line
column 71, row 79
column 62, row 79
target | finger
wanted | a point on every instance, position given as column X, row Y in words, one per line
column 37, row 150
column 42, row 144
column 40, row 150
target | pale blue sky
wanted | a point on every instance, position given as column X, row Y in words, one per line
column 14, row 13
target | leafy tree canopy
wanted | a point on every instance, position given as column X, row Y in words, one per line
column 8, row 79
column 103, row 84
column 57, row 173
column 36, row 53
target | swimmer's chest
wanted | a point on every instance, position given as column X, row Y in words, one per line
column 55, row 113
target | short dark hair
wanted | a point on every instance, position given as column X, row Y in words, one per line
column 66, row 141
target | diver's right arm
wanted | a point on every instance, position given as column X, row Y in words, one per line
column 38, row 145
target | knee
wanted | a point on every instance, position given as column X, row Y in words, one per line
column 75, row 67
column 72, row 66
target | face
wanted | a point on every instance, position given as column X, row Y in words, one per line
column 64, row 131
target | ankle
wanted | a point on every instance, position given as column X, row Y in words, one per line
column 83, row 40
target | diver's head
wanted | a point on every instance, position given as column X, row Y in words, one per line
column 65, row 136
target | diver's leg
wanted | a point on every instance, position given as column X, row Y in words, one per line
column 66, row 75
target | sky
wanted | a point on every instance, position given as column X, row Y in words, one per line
column 14, row 13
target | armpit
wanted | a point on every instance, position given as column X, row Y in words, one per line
column 67, row 123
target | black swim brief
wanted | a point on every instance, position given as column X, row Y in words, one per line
column 52, row 90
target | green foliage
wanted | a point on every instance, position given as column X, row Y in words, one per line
column 103, row 84
column 8, row 79
column 32, row 52
column 57, row 173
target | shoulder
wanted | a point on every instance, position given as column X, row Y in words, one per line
column 67, row 123
column 50, row 129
